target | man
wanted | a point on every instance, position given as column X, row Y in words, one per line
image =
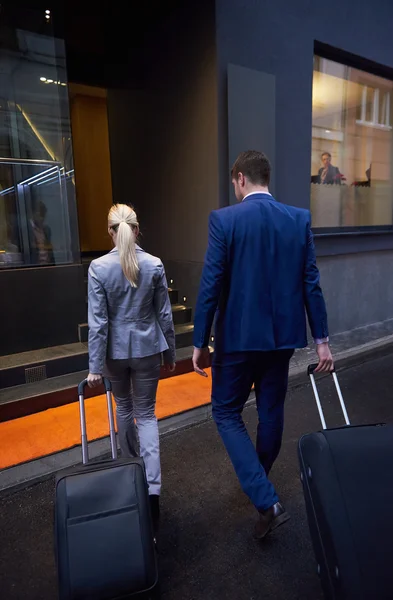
column 260, row 272
column 328, row 174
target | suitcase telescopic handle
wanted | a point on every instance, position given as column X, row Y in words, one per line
column 111, row 419
column 310, row 372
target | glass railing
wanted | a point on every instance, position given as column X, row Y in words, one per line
column 35, row 220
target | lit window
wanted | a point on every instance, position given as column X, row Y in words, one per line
column 352, row 148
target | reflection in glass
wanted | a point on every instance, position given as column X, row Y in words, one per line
column 351, row 162
column 38, row 225
column 34, row 218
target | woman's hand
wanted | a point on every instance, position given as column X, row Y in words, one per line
column 94, row 380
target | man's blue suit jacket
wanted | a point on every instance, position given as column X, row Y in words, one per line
column 260, row 276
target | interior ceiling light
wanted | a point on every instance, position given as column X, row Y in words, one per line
column 45, row 80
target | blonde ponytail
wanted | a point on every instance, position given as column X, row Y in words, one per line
column 123, row 220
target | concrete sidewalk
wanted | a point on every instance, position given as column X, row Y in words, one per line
column 207, row 551
column 349, row 348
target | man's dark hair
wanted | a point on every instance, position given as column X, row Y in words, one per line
column 326, row 154
column 254, row 165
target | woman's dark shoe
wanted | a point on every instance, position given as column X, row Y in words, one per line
column 155, row 512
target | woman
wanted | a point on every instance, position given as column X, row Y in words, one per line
column 130, row 326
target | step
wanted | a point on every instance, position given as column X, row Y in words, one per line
column 182, row 314
column 38, row 365
column 23, row 400
column 183, row 331
column 83, row 333
column 184, row 335
column 174, row 296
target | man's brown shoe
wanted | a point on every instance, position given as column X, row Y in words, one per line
column 270, row 519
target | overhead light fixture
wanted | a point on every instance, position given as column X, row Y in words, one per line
column 45, row 80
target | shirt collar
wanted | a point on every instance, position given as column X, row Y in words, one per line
column 257, row 193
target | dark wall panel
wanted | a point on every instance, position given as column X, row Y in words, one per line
column 163, row 136
column 277, row 37
column 179, row 137
column 40, row 307
column 251, row 116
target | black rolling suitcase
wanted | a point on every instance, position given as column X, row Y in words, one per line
column 103, row 531
column 347, row 476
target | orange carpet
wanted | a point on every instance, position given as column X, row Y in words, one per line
column 56, row 429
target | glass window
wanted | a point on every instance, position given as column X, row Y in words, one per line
column 351, row 161
column 38, row 224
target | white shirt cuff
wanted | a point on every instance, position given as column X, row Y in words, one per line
column 319, row 341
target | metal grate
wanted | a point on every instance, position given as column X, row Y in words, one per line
column 35, row 374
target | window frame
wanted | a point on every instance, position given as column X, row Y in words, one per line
column 356, row 233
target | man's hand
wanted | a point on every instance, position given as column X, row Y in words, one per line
column 198, row 360
column 170, row 367
column 325, row 364
column 94, row 380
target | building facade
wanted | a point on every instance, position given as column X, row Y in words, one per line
column 327, row 80
column 95, row 109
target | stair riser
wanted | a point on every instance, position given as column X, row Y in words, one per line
column 54, row 368
column 174, row 296
column 184, row 339
column 83, row 333
column 182, row 317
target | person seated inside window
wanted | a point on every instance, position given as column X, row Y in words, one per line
column 328, row 173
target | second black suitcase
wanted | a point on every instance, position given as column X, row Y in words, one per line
column 347, row 476
column 103, row 531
